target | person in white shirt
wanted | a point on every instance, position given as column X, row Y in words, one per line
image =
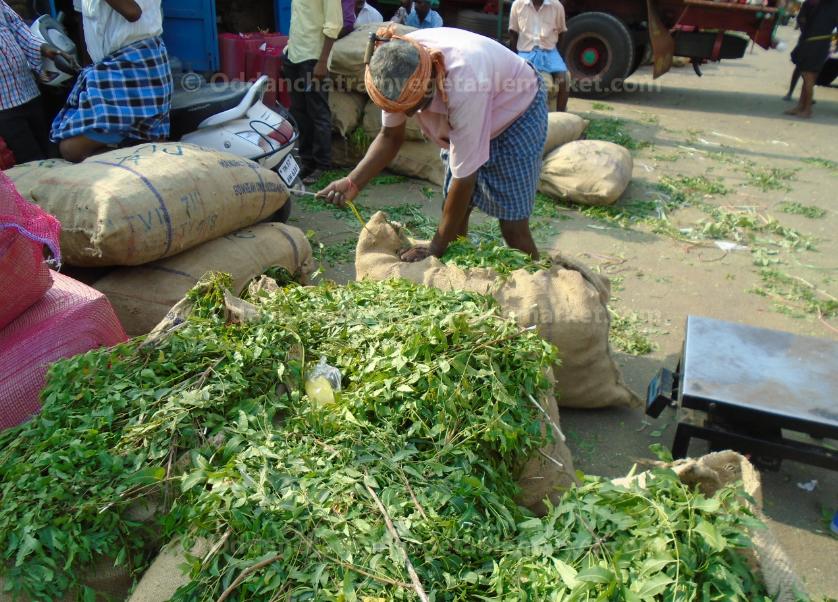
column 536, row 28
column 125, row 95
column 366, row 14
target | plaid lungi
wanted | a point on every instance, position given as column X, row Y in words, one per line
column 127, row 94
column 507, row 183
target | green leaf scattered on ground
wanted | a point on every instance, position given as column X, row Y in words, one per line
column 795, row 208
column 818, row 162
column 328, row 177
column 359, row 140
column 771, row 178
column 630, row 334
column 745, row 226
column 682, row 188
column 430, row 193
column 667, row 157
column 795, row 296
column 613, row 130
column 601, row 106
column 388, row 180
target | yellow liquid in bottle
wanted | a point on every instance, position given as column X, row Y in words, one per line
column 320, row 392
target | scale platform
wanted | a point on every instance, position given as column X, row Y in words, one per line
column 770, row 394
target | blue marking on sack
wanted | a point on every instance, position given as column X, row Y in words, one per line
column 147, row 182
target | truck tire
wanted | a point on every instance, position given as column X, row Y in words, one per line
column 482, row 23
column 599, row 52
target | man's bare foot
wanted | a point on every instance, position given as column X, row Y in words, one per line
column 788, row 98
column 805, row 114
column 793, row 111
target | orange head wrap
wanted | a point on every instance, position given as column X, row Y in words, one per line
column 417, row 86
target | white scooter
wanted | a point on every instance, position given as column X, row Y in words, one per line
column 231, row 117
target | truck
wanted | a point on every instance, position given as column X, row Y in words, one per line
column 608, row 40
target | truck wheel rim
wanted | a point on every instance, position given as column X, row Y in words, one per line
column 590, row 57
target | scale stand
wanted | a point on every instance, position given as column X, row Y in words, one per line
column 765, row 393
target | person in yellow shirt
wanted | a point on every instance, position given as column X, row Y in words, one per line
column 315, row 25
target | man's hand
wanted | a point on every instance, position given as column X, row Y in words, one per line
column 129, row 9
column 320, row 70
column 416, row 254
column 339, row 192
column 49, row 52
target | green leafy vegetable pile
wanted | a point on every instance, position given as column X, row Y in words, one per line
column 415, row 460
column 465, row 254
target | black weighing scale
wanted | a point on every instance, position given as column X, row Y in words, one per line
column 770, row 394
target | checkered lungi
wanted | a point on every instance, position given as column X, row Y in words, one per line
column 126, row 95
column 507, row 183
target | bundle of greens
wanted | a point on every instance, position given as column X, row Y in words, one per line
column 403, row 487
column 465, row 254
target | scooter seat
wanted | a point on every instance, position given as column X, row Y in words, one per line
column 191, row 107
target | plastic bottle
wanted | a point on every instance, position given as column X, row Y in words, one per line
column 322, row 383
column 834, row 525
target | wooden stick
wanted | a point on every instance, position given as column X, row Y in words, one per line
column 217, row 547
column 413, row 495
column 245, row 574
column 360, row 571
column 414, row 577
column 352, row 567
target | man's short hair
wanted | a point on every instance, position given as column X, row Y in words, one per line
column 391, row 67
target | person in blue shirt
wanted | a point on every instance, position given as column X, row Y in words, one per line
column 421, row 16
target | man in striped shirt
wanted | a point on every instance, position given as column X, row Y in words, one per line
column 23, row 123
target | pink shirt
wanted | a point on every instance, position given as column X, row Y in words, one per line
column 488, row 86
column 537, row 28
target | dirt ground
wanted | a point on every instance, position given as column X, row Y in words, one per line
column 727, row 126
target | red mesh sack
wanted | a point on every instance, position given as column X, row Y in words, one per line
column 25, row 229
column 70, row 319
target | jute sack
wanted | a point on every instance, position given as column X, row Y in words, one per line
column 347, row 111
column 567, row 303
column 714, row 471
column 143, row 295
column 346, row 62
column 415, row 160
column 589, row 172
column 166, row 575
column 419, row 160
column 28, row 175
column 550, row 472
column 136, row 205
column 563, row 128
column 372, row 125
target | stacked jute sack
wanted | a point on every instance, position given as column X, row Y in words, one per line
column 162, row 215
column 44, row 316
